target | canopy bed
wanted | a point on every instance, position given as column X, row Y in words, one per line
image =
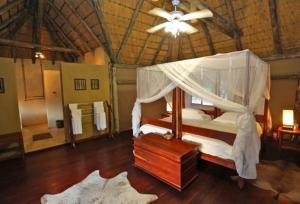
column 238, row 83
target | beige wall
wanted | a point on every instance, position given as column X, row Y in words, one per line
column 9, row 112
column 70, row 71
column 127, row 96
column 96, row 57
column 283, row 92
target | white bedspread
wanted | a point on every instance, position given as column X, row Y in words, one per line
column 209, row 145
column 213, row 146
column 225, row 127
column 197, row 122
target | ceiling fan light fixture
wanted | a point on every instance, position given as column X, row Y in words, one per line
column 176, row 20
column 175, row 27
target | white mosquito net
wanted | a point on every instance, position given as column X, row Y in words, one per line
column 233, row 82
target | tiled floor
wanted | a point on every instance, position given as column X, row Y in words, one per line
column 58, row 137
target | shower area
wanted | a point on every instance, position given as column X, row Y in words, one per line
column 40, row 104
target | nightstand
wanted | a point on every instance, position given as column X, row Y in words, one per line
column 289, row 139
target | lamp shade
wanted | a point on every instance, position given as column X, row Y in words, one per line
column 288, row 117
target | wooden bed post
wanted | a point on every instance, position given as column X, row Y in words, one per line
column 174, row 112
column 183, row 98
column 177, row 113
column 266, row 111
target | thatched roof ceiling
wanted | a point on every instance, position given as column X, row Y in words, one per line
column 267, row 27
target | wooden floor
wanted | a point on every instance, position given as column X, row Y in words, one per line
column 54, row 170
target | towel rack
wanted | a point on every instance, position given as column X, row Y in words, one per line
column 109, row 110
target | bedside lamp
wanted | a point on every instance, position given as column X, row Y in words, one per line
column 287, row 119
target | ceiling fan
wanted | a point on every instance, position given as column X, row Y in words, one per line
column 175, row 23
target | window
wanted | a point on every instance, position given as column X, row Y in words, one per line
column 196, row 100
column 95, row 84
column 79, row 84
column 200, row 101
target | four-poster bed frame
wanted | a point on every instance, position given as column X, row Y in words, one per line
column 177, row 128
column 249, row 81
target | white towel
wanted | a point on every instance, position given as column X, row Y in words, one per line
column 99, row 106
column 76, row 119
column 99, row 115
column 100, row 120
column 73, row 106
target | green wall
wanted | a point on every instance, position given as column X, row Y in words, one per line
column 71, row 71
column 9, row 111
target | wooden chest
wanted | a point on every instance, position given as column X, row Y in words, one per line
column 172, row 161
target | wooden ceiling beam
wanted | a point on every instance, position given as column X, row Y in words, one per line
column 72, row 28
column 142, row 52
column 282, row 56
column 6, row 7
column 159, row 48
column 126, row 66
column 237, row 38
column 217, row 22
column 83, row 22
column 15, row 17
column 208, row 38
column 96, row 5
column 66, row 38
column 19, row 22
column 35, row 45
column 36, row 26
column 275, row 26
column 286, row 77
column 179, row 50
column 169, row 55
column 55, row 38
column 130, row 27
column 191, row 46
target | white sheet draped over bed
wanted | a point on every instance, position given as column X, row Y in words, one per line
column 234, row 82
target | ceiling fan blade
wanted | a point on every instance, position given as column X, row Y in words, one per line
column 157, row 27
column 160, row 12
column 188, row 28
column 205, row 13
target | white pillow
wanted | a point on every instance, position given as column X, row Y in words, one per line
column 228, row 117
column 186, row 111
column 194, row 114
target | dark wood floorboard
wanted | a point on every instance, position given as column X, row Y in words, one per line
column 54, row 170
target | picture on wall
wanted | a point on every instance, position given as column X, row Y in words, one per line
column 95, row 84
column 2, row 89
column 79, row 84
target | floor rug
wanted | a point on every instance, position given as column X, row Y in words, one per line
column 281, row 177
column 41, row 136
column 95, row 189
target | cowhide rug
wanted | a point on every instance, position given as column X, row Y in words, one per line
column 95, row 189
column 281, row 177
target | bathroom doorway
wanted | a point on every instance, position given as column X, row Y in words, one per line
column 40, row 104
